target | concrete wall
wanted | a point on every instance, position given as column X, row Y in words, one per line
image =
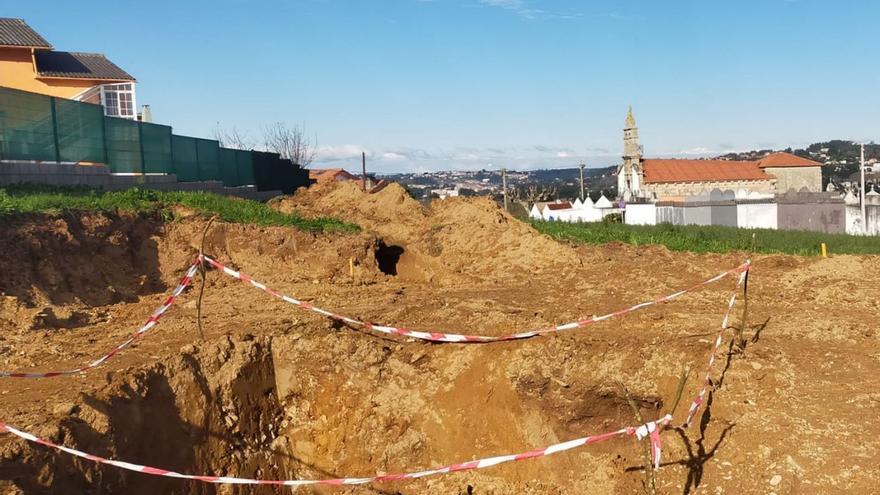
column 818, row 212
column 670, row 214
column 796, row 178
column 100, row 176
column 756, row 215
column 724, row 213
column 697, row 214
column 640, row 214
column 873, row 223
column 854, row 223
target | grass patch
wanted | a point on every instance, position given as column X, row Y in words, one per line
column 53, row 200
column 710, row 239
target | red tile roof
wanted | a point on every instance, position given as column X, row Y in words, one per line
column 559, row 206
column 325, row 174
column 786, row 160
column 681, row 170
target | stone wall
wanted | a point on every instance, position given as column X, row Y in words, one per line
column 672, row 189
column 796, row 178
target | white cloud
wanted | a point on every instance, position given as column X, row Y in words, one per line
column 340, row 152
column 523, row 9
column 699, row 150
column 392, row 156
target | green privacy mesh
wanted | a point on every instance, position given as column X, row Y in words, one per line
column 245, row 163
column 80, row 130
column 122, row 139
column 228, row 167
column 185, row 161
column 39, row 127
column 209, row 159
column 156, row 143
column 26, row 126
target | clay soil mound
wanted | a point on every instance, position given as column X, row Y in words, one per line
column 452, row 241
column 274, row 392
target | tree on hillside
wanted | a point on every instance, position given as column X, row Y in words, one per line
column 291, row 143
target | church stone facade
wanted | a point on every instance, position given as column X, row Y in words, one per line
column 641, row 179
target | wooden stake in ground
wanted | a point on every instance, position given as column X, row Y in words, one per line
column 202, row 270
column 364, row 168
column 650, row 483
column 740, row 340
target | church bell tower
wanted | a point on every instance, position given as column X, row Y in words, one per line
column 629, row 174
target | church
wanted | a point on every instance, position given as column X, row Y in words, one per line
column 643, row 179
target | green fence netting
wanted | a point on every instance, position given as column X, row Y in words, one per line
column 122, row 139
column 156, row 143
column 184, row 158
column 44, row 128
column 209, row 159
column 80, row 130
column 244, row 161
column 228, row 167
column 26, row 128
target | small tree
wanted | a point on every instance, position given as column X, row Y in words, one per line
column 233, row 138
column 291, row 143
column 529, row 195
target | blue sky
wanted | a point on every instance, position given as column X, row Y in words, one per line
column 470, row 84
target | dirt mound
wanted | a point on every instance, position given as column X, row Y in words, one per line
column 274, row 392
column 452, row 241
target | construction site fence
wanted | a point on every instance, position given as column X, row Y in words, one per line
column 35, row 127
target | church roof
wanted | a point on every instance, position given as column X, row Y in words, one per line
column 682, row 170
column 786, row 160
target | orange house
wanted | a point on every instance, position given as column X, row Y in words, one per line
column 28, row 62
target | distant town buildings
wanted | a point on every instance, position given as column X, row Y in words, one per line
column 641, row 178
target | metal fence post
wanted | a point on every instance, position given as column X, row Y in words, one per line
column 55, row 129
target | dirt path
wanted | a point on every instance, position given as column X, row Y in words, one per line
column 274, row 392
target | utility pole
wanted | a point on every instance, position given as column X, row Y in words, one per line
column 582, row 165
column 504, row 186
column 862, row 194
column 364, row 168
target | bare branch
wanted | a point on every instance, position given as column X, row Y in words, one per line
column 233, row 138
column 291, row 143
column 529, row 195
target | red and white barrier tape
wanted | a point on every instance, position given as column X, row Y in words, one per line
column 649, row 429
column 459, row 338
column 151, row 322
column 698, row 400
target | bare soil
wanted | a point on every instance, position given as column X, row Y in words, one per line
column 274, row 392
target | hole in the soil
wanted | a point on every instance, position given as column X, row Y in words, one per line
column 387, row 257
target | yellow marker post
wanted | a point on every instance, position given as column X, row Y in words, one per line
column 824, row 251
column 351, row 267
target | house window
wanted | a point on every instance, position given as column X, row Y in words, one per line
column 118, row 100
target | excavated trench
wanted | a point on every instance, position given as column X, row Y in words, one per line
column 287, row 397
column 260, row 407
